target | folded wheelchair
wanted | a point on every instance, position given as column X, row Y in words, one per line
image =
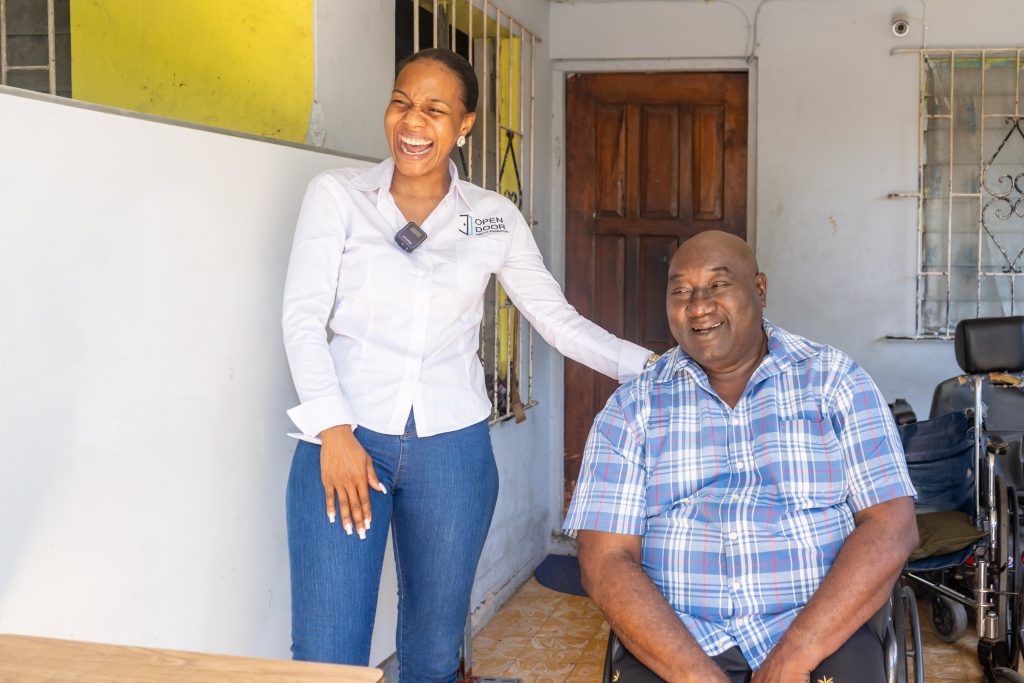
column 966, row 459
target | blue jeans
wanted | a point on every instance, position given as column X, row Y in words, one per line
column 440, row 497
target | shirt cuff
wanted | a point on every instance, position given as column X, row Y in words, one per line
column 632, row 359
column 312, row 417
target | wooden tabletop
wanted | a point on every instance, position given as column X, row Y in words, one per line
column 34, row 660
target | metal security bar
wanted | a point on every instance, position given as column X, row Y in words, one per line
column 499, row 156
column 6, row 68
column 970, row 198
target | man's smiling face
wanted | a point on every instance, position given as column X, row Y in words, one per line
column 715, row 302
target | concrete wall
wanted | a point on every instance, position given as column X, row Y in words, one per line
column 834, row 118
column 143, row 458
column 355, row 72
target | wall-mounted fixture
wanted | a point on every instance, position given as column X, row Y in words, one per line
column 900, row 25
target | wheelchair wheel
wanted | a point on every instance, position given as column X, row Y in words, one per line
column 1003, row 675
column 1008, row 558
column 949, row 618
column 1004, row 654
column 910, row 654
column 1015, row 573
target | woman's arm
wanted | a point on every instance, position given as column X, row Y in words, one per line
column 309, row 295
column 537, row 295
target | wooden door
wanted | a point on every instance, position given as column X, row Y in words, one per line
column 652, row 158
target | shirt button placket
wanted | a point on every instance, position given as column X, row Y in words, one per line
column 421, row 307
column 417, row 333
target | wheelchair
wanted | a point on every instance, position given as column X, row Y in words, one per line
column 967, row 470
column 898, row 617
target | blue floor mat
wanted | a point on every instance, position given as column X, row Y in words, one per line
column 560, row 573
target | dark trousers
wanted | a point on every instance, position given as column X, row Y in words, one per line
column 858, row 660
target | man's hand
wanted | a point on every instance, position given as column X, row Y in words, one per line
column 345, row 470
column 859, row 582
column 784, row 667
column 638, row 612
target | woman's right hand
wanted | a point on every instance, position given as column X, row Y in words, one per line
column 346, row 471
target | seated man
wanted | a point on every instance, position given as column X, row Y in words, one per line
column 744, row 505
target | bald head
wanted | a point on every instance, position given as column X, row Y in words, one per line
column 712, row 243
column 715, row 300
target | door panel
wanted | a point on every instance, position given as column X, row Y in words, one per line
column 652, row 159
column 659, row 172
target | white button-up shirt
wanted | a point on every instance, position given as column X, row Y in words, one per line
column 405, row 327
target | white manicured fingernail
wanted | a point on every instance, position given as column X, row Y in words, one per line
column 362, row 534
column 331, row 516
column 383, row 490
column 348, row 529
column 367, row 523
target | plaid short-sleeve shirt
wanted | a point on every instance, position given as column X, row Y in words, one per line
column 742, row 510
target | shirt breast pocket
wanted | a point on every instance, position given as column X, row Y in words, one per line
column 802, row 461
column 476, row 259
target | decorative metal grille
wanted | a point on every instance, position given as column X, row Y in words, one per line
column 970, row 187
column 499, row 156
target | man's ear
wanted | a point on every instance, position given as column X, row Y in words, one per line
column 762, row 287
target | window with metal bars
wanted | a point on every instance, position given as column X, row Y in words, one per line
column 498, row 156
column 970, row 188
column 35, row 45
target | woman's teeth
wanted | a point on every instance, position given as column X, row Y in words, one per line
column 415, row 146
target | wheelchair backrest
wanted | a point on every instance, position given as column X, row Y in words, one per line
column 990, row 345
column 940, row 461
column 1004, row 403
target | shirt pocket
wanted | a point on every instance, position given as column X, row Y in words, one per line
column 476, row 259
column 802, row 462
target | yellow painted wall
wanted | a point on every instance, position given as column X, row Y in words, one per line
column 245, row 65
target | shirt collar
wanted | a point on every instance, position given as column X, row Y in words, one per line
column 784, row 351
column 378, row 178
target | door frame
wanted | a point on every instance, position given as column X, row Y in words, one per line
column 560, row 69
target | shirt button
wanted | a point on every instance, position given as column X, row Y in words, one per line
column 739, row 465
column 735, row 585
column 735, row 496
column 736, row 421
column 734, row 535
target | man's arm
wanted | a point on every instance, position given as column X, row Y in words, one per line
column 859, row 582
column 637, row 610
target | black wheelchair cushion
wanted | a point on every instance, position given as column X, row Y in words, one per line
column 990, row 345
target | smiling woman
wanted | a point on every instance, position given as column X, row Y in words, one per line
column 431, row 110
column 394, row 412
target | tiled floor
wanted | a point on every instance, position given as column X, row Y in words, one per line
column 541, row 636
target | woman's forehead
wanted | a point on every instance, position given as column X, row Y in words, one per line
column 426, row 73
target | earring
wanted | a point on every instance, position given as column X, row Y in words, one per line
column 460, row 141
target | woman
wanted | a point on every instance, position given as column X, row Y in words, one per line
column 402, row 366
